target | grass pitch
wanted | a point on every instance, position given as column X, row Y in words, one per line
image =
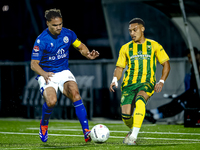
column 67, row 134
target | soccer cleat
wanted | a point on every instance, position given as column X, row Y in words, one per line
column 43, row 133
column 87, row 135
column 131, row 141
column 149, row 117
column 125, row 141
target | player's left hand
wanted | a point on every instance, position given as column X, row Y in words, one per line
column 114, row 83
column 92, row 55
column 158, row 87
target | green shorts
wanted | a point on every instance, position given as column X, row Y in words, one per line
column 129, row 93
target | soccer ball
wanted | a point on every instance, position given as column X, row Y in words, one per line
column 100, row 133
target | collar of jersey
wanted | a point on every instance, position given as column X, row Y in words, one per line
column 53, row 36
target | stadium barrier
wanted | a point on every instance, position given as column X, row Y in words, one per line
column 33, row 100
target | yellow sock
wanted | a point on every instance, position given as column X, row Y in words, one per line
column 128, row 120
column 139, row 112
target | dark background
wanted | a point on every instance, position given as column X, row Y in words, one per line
column 18, row 32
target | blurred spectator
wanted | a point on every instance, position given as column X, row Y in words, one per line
column 188, row 99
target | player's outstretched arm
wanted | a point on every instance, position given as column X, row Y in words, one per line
column 117, row 75
column 165, row 72
column 36, row 67
column 85, row 52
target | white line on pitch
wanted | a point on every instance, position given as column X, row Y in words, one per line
column 55, row 129
column 160, row 138
column 38, row 134
column 19, row 133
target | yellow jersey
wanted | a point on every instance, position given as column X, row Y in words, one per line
column 141, row 60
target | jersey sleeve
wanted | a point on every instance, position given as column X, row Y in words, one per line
column 122, row 61
column 37, row 50
column 161, row 55
column 75, row 41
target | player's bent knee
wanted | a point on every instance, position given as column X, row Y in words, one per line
column 51, row 102
column 126, row 109
column 76, row 96
column 140, row 97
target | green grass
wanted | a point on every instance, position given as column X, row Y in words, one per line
column 23, row 134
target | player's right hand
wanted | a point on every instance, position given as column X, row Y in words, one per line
column 47, row 76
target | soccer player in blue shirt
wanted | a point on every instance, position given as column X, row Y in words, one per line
column 49, row 60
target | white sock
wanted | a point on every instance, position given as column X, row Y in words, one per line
column 135, row 132
column 154, row 111
column 156, row 114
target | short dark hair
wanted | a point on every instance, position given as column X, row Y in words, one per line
column 196, row 51
column 137, row 20
column 52, row 13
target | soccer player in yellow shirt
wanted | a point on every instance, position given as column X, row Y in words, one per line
column 139, row 82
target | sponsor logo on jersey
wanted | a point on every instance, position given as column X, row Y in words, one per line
column 140, row 56
column 60, row 51
column 35, row 54
column 60, row 54
column 140, row 53
column 36, row 48
column 66, row 39
column 38, row 41
column 149, row 47
column 51, row 44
